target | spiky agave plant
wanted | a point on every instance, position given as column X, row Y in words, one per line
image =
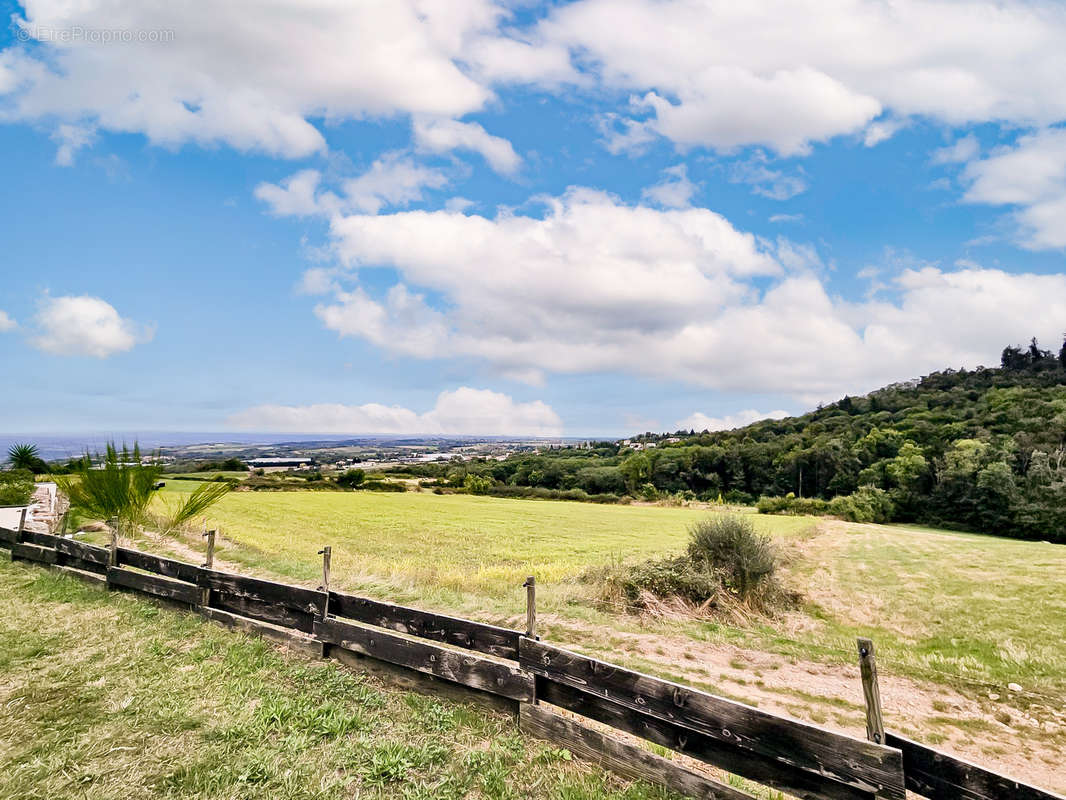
column 24, row 456
column 120, row 486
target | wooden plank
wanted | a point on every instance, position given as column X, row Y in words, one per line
column 773, row 772
column 82, row 556
column 625, row 759
column 167, row 567
column 8, row 537
column 293, row 597
column 305, row 644
column 40, row 539
column 421, row 682
column 467, row 669
column 156, row 585
column 23, row 551
column 940, row 776
column 93, row 578
column 264, row 611
column 864, row 766
column 488, row 639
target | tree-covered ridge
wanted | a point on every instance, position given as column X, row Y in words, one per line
column 981, row 449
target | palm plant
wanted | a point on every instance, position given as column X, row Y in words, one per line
column 25, row 456
column 122, row 487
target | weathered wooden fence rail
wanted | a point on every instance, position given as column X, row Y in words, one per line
column 794, row 757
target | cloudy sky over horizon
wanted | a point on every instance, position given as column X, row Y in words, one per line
column 463, row 216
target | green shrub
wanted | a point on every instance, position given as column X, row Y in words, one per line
column 351, row 479
column 16, row 487
column 731, row 546
column 666, row 578
column 868, row 504
column 726, row 560
column 478, row 484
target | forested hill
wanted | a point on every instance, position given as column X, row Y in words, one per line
column 980, row 449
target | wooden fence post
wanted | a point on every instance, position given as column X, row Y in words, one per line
column 209, row 563
column 112, row 557
column 531, row 607
column 871, row 692
column 22, row 523
column 327, row 554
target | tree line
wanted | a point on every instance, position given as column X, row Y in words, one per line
column 981, row 449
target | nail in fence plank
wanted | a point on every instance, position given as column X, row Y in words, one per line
column 296, row 598
column 81, row 555
column 23, row 551
column 939, row 776
column 167, row 567
column 625, row 759
column 156, row 585
column 463, row 668
column 772, row 772
column 864, row 766
column 489, row 639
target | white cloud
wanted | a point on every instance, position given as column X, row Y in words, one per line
column 787, row 74
column 252, row 76
column 701, row 422
column 85, row 326
column 595, row 285
column 394, row 179
column 6, row 322
column 71, row 139
column 764, row 181
column 674, row 191
column 445, row 135
column 463, row 411
column 960, row 151
column 1032, row 176
column 778, row 218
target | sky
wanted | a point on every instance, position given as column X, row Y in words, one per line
column 595, row 217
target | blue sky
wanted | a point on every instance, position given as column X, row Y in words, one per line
column 586, row 218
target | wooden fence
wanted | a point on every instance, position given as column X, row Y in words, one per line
column 531, row 677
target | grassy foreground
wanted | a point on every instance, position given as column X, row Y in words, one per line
column 105, row 695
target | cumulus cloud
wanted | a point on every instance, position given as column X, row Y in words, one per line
column 674, row 191
column 463, row 411
column 595, row 285
column 1032, row 176
column 6, row 322
column 85, row 326
column 958, row 152
column 701, row 422
column 394, row 179
column 253, row 76
column 722, row 75
column 445, row 135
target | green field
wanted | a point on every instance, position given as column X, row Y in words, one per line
column 111, row 697
column 973, row 606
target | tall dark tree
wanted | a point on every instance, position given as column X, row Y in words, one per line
column 1062, row 354
column 1036, row 354
column 1014, row 358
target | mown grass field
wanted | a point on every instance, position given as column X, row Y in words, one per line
column 108, row 696
column 942, row 605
